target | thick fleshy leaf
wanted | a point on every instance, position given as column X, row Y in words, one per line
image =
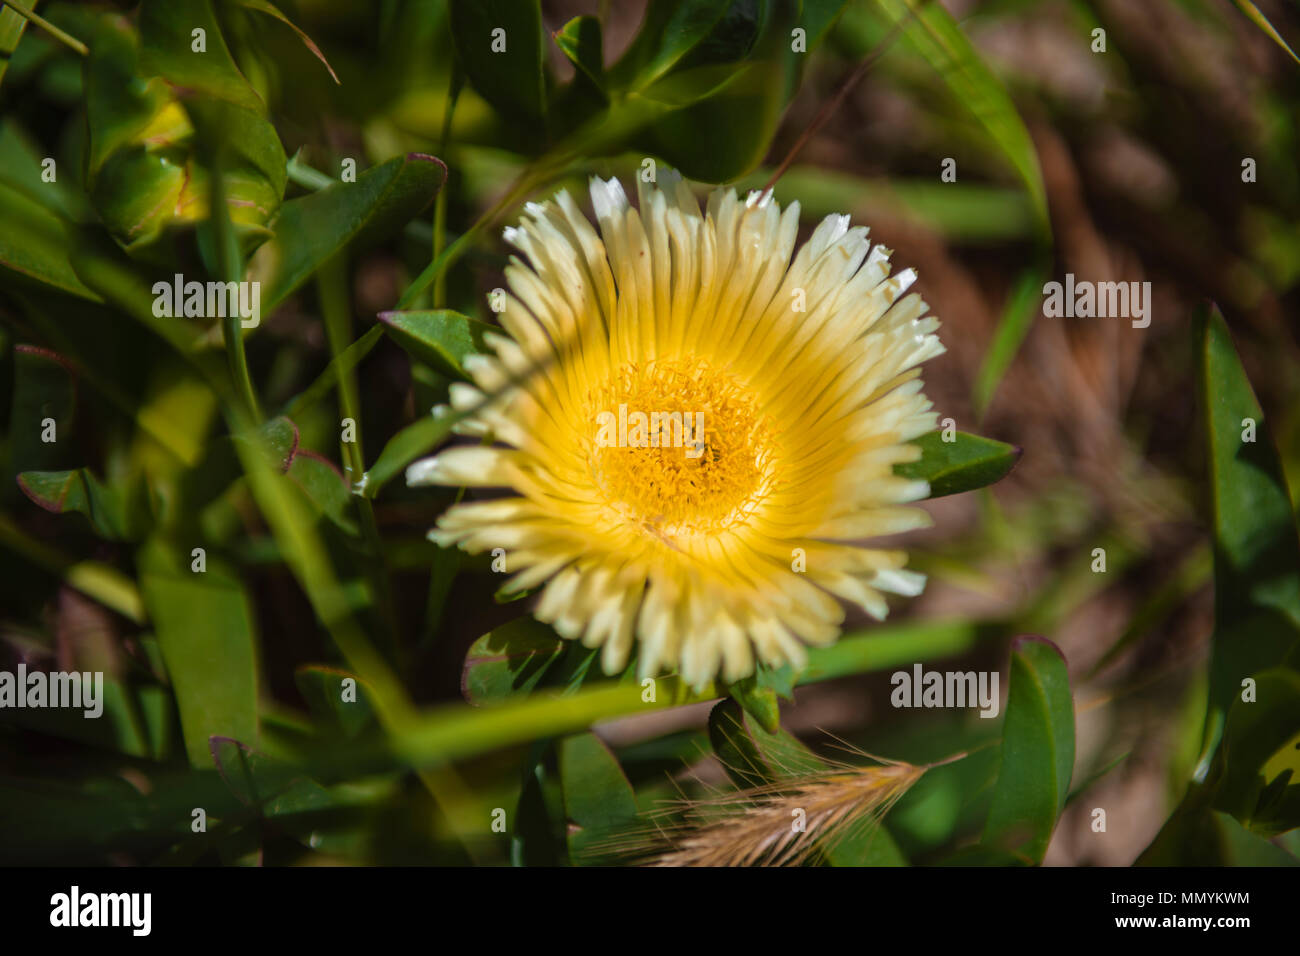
column 501, row 48
column 277, row 438
column 598, row 800
column 332, row 700
column 34, row 244
column 735, row 748
column 162, row 117
column 403, row 448
column 312, row 228
column 240, row 163
column 12, row 27
column 1037, row 752
column 511, row 659
column 440, row 338
column 263, row 6
column 671, row 29
column 758, row 700
column 1261, row 779
column 41, row 417
column 273, row 786
column 704, row 84
column 119, row 514
column 167, row 42
column 964, row 464
column 539, row 828
column 325, row 487
column 1198, row 836
column 204, row 625
column 1256, row 550
column 23, row 161
column 727, row 94
column 818, row 16
column 137, row 139
column 580, row 41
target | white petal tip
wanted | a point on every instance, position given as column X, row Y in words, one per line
column 423, row 472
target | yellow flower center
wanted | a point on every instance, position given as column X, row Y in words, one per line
column 679, row 447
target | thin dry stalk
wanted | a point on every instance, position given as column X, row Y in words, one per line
column 788, row 822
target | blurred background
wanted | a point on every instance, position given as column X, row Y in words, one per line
column 1103, row 138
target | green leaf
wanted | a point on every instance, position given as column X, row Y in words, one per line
column 1023, row 306
column 512, row 79
column 11, row 31
column 204, row 625
column 403, row 448
column 671, row 29
column 45, row 392
column 274, row 787
column 162, row 118
column 866, row 846
column 138, row 137
column 441, row 338
column 964, row 464
column 735, row 748
column 758, row 694
column 539, row 830
column 1256, row 550
column 167, row 48
column 239, row 163
column 442, row 575
column 325, row 487
column 262, row 6
column 1198, row 836
column 726, row 113
column 35, row 242
column 580, row 40
column 339, row 366
column 1037, row 752
column 597, row 796
column 277, row 439
column 1243, row 847
column 758, row 700
column 1261, row 21
column 510, row 659
column 22, row 159
column 116, row 514
column 937, row 37
column 312, row 228
column 1261, row 743
column 323, row 689
column 816, row 17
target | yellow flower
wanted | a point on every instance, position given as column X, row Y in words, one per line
column 728, row 532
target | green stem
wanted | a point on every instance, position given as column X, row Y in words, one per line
column 293, row 526
column 233, row 334
column 66, row 39
column 525, row 184
column 301, row 174
column 305, row 176
column 230, row 266
column 336, row 309
column 456, row 81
